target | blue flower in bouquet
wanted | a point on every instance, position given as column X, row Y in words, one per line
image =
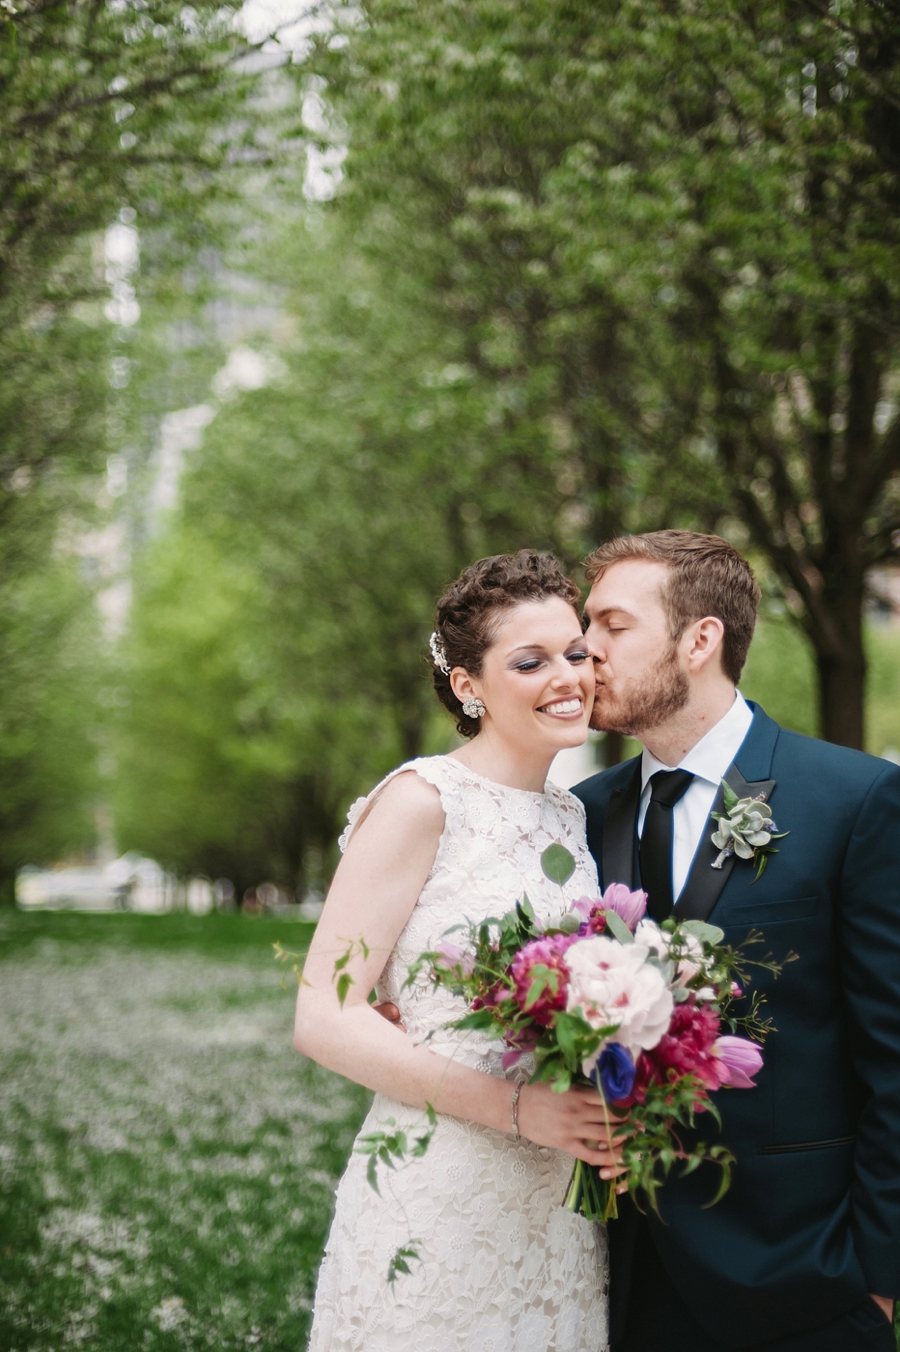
column 615, row 1071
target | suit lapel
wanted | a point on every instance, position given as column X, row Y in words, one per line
column 619, row 826
column 748, row 776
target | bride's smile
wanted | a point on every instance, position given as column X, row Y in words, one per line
column 566, row 708
column 536, row 685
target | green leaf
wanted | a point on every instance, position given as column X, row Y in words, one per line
column 558, row 864
column 480, row 1019
column 617, row 927
column 345, row 981
column 730, row 797
column 707, row 934
column 372, row 1173
column 524, row 907
column 401, row 1260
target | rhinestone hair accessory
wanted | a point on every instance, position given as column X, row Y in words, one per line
column 438, row 656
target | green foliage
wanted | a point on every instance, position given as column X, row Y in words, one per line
column 279, row 630
column 105, row 108
column 780, row 676
column 50, row 720
column 670, row 232
column 223, row 765
column 558, row 864
column 112, row 114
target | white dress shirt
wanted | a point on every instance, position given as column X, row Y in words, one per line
column 707, row 762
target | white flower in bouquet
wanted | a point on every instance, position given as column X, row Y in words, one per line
column 613, row 984
column 649, row 935
column 681, row 948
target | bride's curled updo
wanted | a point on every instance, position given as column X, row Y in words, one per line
column 467, row 614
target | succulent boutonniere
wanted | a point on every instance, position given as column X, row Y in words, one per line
column 746, row 829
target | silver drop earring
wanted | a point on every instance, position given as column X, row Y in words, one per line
column 473, row 708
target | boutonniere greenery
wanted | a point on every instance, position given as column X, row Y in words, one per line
column 746, row 829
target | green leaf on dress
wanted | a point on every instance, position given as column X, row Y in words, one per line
column 558, row 864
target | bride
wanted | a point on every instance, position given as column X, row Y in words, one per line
column 502, row 1267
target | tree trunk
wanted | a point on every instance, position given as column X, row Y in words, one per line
column 841, row 664
column 613, row 748
column 842, row 688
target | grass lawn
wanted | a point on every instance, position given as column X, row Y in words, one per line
column 167, row 1160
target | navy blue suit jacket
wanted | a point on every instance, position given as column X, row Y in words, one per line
column 811, row 1223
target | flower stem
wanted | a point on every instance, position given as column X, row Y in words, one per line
column 591, row 1196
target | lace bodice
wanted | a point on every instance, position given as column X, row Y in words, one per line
column 502, row 1267
column 489, row 855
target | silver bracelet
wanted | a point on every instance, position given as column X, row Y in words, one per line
column 514, row 1108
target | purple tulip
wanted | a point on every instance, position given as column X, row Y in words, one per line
column 742, row 1059
column 629, row 906
column 455, row 958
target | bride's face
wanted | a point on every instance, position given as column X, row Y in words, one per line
column 537, row 678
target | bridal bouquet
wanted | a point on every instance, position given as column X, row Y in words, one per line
column 602, row 995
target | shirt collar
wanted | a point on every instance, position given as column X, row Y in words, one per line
column 715, row 751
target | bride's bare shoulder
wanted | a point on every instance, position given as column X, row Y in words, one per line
column 406, row 805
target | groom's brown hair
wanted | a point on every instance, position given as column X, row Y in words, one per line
column 707, row 576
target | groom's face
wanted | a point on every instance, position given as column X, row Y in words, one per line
column 640, row 676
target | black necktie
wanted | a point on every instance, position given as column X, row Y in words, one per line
column 666, row 788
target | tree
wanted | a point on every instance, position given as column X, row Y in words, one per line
column 50, row 721
column 669, row 230
column 345, row 493
column 104, row 107
column 111, row 113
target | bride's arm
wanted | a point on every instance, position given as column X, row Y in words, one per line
column 374, row 891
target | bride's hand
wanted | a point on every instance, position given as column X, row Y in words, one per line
column 577, row 1121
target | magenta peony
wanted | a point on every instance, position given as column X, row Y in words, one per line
column 741, row 1059
column 548, row 953
column 689, row 1048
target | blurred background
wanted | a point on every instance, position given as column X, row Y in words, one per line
column 306, row 307
column 303, row 307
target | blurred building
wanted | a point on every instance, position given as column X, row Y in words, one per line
column 131, row 883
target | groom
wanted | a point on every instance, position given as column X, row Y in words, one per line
column 803, row 1253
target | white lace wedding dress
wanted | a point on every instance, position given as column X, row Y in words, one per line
column 504, row 1267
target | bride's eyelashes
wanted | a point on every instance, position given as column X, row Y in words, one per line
column 530, row 664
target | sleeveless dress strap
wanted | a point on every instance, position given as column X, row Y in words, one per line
column 435, row 770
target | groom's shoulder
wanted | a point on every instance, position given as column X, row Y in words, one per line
column 595, row 791
column 799, row 753
column 837, row 774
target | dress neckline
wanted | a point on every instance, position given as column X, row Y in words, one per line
column 496, row 783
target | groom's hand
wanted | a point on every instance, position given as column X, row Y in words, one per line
column 886, row 1305
column 389, row 1011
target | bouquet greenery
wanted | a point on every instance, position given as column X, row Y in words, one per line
column 648, row 1014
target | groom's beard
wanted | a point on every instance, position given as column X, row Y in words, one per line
column 661, row 693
